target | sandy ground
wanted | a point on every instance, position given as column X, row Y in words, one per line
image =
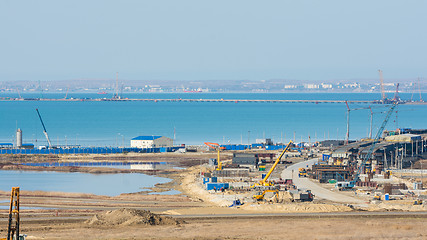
column 244, row 228
column 205, row 215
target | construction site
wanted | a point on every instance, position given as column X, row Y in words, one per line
column 243, row 190
column 380, row 177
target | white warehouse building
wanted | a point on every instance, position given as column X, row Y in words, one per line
column 151, row 142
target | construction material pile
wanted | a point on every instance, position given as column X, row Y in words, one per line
column 127, row 217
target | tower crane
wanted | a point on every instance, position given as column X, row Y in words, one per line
column 352, row 183
column 215, row 146
column 383, row 96
column 44, row 129
column 396, row 97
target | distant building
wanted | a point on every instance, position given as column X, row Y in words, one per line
column 290, row 86
column 311, row 86
column 151, row 142
column 326, row 85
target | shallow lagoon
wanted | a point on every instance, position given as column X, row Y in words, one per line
column 99, row 184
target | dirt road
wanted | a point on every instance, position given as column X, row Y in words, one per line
column 292, row 173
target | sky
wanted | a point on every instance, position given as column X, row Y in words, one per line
column 212, row 40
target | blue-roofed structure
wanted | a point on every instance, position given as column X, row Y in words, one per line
column 6, row 145
column 151, row 142
column 146, row 138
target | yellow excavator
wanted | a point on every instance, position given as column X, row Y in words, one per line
column 13, row 227
column 216, row 146
column 260, row 196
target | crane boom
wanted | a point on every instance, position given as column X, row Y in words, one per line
column 44, row 128
column 371, row 149
column 216, row 147
column 383, row 97
column 264, row 181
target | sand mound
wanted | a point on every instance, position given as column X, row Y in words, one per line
column 126, row 217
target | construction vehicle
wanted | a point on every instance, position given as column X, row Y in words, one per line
column 44, row 129
column 13, row 226
column 265, row 181
column 306, row 196
column 302, row 172
column 377, row 196
column 216, row 146
column 352, row 183
column 261, row 196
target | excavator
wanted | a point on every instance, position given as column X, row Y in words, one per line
column 13, row 227
column 267, row 185
column 216, row 146
column 261, row 195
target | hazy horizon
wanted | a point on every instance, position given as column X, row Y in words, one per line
column 193, row 40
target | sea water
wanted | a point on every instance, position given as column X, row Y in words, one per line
column 115, row 123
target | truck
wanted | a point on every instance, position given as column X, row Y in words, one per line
column 302, row 172
column 305, row 196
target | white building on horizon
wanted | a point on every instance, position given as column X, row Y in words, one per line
column 151, row 142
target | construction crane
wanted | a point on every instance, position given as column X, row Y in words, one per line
column 370, row 125
column 216, row 146
column 396, row 97
column 348, row 119
column 44, row 129
column 352, row 183
column 383, row 96
column 264, row 181
column 13, row 226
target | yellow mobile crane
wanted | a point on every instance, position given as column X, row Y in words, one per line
column 13, row 227
column 265, row 183
column 216, row 146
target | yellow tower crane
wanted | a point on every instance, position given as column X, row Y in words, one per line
column 216, row 146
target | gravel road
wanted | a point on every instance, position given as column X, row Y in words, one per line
column 316, row 189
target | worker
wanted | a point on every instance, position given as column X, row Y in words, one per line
column 222, row 189
column 215, row 189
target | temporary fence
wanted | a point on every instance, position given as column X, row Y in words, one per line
column 89, row 150
column 88, row 164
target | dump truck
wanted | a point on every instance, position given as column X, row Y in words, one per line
column 305, row 196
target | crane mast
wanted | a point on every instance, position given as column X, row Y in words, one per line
column 44, row 129
column 383, row 98
column 371, row 149
column 215, row 146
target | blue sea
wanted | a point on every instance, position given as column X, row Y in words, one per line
column 107, row 123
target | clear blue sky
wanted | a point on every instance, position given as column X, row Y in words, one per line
column 204, row 40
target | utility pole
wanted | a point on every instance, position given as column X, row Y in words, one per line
column 348, row 123
column 249, row 136
column 370, row 126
